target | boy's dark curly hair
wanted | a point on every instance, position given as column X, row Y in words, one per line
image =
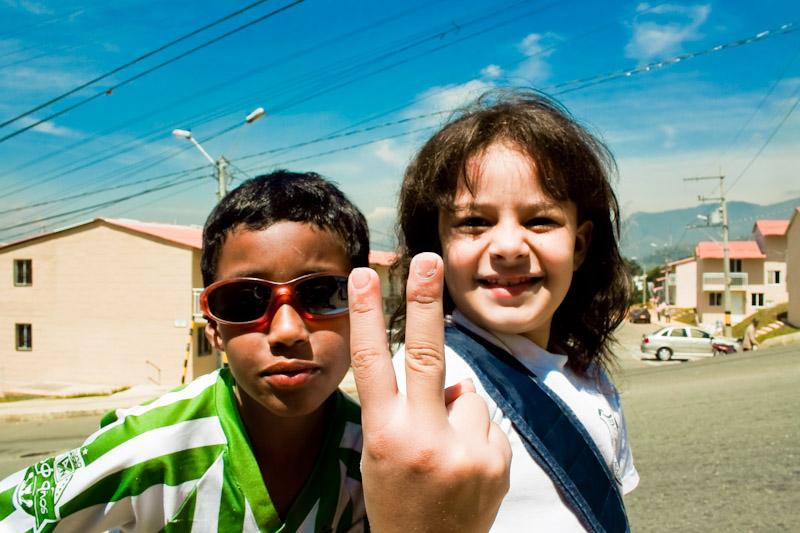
column 282, row 196
column 572, row 164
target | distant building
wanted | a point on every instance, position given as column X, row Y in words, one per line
column 758, row 271
column 793, row 268
column 111, row 302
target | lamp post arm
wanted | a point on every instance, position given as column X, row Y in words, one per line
column 202, row 151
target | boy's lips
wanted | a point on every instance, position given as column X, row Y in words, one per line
column 289, row 374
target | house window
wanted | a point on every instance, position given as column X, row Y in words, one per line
column 24, row 337
column 736, row 265
column 774, row 277
column 203, row 347
column 714, row 299
column 23, row 272
column 757, row 299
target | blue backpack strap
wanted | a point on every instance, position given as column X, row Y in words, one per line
column 550, row 431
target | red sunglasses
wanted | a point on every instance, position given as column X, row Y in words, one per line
column 254, row 301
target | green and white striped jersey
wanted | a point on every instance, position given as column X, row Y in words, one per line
column 183, row 462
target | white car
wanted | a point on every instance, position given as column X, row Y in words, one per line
column 685, row 341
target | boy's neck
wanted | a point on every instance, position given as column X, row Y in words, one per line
column 286, row 448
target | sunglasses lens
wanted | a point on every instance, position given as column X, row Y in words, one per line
column 243, row 301
column 324, row 295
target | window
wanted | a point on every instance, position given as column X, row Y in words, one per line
column 24, row 337
column 736, row 265
column 23, row 272
column 715, row 299
column 203, row 346
column 677, row 332
column 774, row 277
column 698, row 333
column 757, row 299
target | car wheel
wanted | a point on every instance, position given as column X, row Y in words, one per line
column 664, row 354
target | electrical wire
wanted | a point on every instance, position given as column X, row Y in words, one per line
column 133, row 62
column 771, row 136
column 171, row 60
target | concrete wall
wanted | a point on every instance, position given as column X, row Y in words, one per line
column 107, row 306
column 686, row 284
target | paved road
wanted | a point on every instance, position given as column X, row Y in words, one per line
column 24, row 443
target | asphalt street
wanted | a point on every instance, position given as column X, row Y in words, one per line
column 24, row 443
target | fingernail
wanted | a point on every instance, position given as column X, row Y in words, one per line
column 425, row 265
column 359, row 277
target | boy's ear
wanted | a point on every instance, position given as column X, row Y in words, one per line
column 583, row 238
column 212, row 334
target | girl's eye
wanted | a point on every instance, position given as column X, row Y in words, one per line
column 541, row 222
column 472, row 223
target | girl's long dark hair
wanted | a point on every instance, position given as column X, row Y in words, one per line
column 572, row 164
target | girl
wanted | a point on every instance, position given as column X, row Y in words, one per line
column 527, row 224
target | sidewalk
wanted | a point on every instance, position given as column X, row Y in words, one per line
column 103, row 402
column 48, row 408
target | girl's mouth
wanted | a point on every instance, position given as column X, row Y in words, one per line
column 508, row 287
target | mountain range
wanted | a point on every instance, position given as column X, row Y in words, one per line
column 653, row 238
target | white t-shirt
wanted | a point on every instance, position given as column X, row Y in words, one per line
column 533, row 502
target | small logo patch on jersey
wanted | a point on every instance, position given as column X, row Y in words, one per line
column 43, row 485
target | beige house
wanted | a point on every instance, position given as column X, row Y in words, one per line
column 758, row 270
column 109, row 302
column 680, row 283
column 793, row 268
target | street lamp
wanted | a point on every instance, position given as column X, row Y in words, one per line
column 220, row 163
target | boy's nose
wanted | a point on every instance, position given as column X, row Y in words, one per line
column 508, row 243
column 287, row 327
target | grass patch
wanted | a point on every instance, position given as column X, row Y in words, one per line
column 766, row 316
column 15, row 397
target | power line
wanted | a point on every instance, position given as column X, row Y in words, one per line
column 133, row 62
column 769, row 139
column 151, row 69
column 100, row 205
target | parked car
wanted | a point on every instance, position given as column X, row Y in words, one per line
column 686, row 341
column 640, row 315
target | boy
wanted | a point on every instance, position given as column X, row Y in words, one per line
column 268, row 444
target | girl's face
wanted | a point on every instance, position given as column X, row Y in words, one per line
column 510, row 250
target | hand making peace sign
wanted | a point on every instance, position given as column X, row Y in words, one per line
column 426, row 465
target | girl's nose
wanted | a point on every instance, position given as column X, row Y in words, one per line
column 508, row 242
column 287, row 327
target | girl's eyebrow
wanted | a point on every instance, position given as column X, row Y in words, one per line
column 544, row 205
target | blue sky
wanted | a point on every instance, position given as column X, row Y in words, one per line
column 370, row 70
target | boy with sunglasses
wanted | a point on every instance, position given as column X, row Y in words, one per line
column 267, row 444
column 271, row 444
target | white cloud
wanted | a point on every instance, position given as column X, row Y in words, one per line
column 45, row 78
column 536, row 48
column 663, row 29
column 491, row 71
column 388, row 151
column 34, row 8
column 49, row 128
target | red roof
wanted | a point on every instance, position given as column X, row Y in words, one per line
column 379, row 257
column 681, row 261
column 191, row 236
column 772, row 228
column 736, row 250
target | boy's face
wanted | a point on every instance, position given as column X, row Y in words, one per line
column 290, row 366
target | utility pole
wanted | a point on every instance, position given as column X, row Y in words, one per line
column 222, row 188
column 221, row 163
column 726, row 264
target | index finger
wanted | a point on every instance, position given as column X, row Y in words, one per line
column 369, row 351
column 425, row 333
